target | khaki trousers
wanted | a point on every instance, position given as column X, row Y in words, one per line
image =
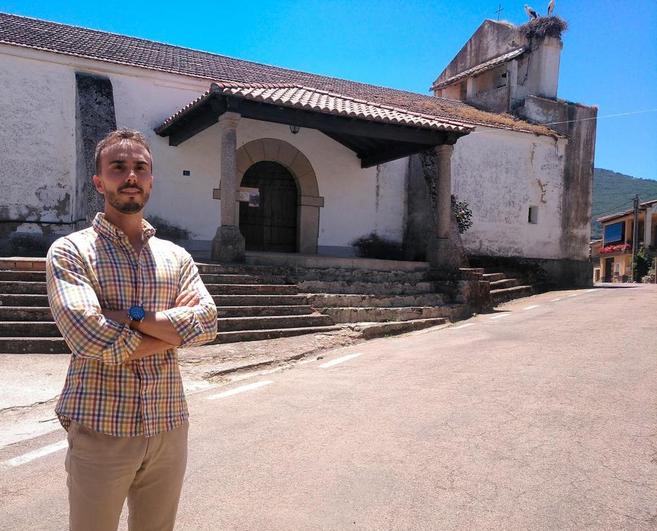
column 103, row 470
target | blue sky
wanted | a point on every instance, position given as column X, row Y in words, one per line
column 609, row 57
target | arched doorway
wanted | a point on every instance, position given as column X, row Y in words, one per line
column 268, row 221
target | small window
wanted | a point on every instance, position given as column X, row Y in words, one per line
column 532, row 217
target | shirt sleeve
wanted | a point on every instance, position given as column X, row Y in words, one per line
column 77, row 311
column 196, row 325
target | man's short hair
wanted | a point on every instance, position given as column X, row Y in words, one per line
column 116, row 137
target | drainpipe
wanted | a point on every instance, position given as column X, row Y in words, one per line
column 635, row 234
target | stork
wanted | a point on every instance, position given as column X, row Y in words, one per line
column 550, row 8
column 531, row 13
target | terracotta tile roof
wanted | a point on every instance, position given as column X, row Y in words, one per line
column 642, row 206
column 300, row 97
column 102, row 46
column 480, row 68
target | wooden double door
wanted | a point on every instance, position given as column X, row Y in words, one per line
column 268, row 221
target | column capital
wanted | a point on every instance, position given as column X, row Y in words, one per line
column 444, row 150
column 229, row 120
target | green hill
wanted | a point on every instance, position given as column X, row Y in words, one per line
column 613, row 192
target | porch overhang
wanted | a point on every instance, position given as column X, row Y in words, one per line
column 375, row 133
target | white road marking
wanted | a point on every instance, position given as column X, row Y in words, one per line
column 500, row 316
column 572, row 295
column 463, row 326
column 35, row 454
column 240, row 389
column 531, row 307
column 555, row 300
column 339, row 360
column 591, row 290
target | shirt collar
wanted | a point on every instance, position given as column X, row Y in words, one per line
column 112, row 232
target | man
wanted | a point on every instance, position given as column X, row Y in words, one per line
column 124, row 300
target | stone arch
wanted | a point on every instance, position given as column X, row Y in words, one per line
column 275, row 150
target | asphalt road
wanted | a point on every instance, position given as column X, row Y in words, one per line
column 539, row 416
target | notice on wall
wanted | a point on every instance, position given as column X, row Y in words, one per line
column 250, row 196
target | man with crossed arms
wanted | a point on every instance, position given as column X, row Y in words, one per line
column 124, row 300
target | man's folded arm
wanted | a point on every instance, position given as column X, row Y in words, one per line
column 197, row 324
column 77, row 311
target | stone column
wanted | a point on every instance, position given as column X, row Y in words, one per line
column 442, row 253
column 228, row 243
column 470, row 88
column 511, row 84
column 444, row 188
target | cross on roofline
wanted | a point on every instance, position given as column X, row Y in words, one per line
column 499, row 10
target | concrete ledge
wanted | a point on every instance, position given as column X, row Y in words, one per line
column 372, row 330
column 316, row 261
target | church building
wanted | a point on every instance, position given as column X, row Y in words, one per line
column 250, row 157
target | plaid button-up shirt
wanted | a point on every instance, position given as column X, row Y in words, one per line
column 97, row 268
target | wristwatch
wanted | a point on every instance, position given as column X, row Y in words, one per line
column 136, row 313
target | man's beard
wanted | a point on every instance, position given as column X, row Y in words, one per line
column 130, row 206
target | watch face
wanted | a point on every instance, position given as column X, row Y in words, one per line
column 136, row 313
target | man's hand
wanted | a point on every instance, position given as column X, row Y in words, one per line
column 119, row 316
column 187, row 298
column 156, row 324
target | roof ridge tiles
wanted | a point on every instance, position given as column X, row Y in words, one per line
column 341, row 96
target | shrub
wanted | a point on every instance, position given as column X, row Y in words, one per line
column 463, row 214
column 374, row 246
column 642, row 264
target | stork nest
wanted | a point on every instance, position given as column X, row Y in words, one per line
column 544, row 27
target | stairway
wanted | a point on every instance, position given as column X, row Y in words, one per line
column 506, row 286
column 390, row 296
column 250, row 306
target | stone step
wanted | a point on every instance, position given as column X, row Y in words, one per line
column 359, row 275
column 23, row 264
column 258, row 300
column 472, row 273
column 39, row 313
column 369, row 288
column 504, row 283
column 323, row 300
column 501, row 295
column 33, row 345
column 359, row 314
column 25, row 313
column 493, row 277
column 22, row 276
column 214, row 278
column 232, row 324
column 273, row 333
column 23, row 300
column 27, row 288
column 240, row 269
column 261, row 311
column 252, row 289
column 39, row 288
column 230, row 278
column 29, row 329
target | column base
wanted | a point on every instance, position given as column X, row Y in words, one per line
column 444, row 257
column 228, row 245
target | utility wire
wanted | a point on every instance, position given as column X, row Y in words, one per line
column 604, row 116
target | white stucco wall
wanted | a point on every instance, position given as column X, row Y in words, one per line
column 37, row 99
column 498, row 172
column 37, row 139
